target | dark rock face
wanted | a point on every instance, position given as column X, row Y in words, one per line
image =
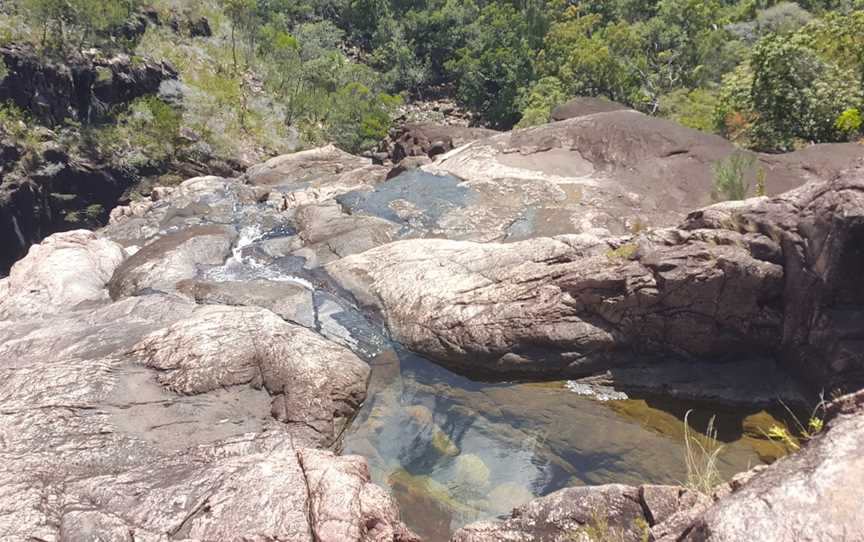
column 62, row 193
column 428, row 140
column 80, row 89
column 584, row 106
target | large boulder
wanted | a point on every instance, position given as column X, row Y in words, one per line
column 66, row 269
column 619, row 171
column 149, row 416
column 584, row 106
column 733, row 279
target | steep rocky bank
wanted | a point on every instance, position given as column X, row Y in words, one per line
column 190, row 370
column 42, row 188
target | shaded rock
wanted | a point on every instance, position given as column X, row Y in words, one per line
column 170, row 259
column 613, row 511
column 430, row 140
column 584, row 106
column 84, row 90
column 408, row 163
column 65, row 270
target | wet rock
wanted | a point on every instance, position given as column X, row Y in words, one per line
column 66, row 269
column 408, row 163
column 168, row 419
column 170, row 259
column 606, row 512
column 291, row 301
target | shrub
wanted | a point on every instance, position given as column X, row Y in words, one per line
column 849, row 121
column 701, row 455
column 536, row 102
column 147, row 133
column 359, row 117
column 731, row 176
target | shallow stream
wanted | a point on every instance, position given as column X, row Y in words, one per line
column 453, row 451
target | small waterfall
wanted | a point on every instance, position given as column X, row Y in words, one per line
column 18, row 232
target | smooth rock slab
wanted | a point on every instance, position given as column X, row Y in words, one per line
column 314, row 383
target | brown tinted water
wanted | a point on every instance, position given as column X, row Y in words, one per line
column 454, row 451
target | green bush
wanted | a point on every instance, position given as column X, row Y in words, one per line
column 731, row 176
column 146, row 134
column 849, row 121
column 359, row 117
column 537, row 101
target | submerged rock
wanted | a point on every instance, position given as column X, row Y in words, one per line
column 806, row 496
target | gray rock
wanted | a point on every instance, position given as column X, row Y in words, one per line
column 149, row 418
column 734, row 279
column 584, row 106
column 173, row 257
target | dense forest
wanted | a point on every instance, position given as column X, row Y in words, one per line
column 767, row 75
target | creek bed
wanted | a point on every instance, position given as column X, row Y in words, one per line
column 453, row 451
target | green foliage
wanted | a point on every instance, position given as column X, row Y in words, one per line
column 146, row 134
column 849, row 121
column 691, row 108
column 625, row 252
column 494, row 64
column 702, row 453
column 795, row 87
column 76, row 22
column 360, row 118
column 731, row 176
column 537, row 101
column 805, row 431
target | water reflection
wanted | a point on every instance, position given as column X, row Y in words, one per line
column 454, row 451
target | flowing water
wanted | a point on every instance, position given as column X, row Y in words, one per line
column 452, row 450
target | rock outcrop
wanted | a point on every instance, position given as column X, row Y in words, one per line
column 584, row 106
column 151, row 417
column 769, row 276
column 81, row 89
column 620, row 171
column 43, row 189
column 427, row 139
